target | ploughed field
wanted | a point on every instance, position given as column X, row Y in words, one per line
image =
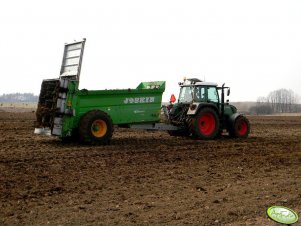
column 148, row 178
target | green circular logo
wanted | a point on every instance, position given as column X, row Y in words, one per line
column 282, row 215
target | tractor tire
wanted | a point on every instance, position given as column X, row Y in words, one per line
column 240, row 128
column 95, row 127
column 179, row 133
column 205, row 125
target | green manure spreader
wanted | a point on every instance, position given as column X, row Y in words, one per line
column 91, row 115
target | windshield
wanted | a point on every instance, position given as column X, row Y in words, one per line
column 185, row 94
column 189, row 94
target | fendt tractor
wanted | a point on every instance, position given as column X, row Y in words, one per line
column 66, row 111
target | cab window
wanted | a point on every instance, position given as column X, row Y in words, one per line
column 199, row 94
column 212, row 94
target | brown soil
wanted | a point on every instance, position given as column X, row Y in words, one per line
column 148, row 178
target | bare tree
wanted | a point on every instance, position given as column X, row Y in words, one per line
column 262, row 106
column 278, row 101
column 282, row 101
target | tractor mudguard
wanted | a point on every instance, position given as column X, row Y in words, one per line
column 234, row 117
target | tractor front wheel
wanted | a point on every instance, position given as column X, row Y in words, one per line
column 205, row 125
column 240, row 128
column 95, row 127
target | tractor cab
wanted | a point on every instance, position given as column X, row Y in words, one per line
column 199, row 92
column 196, row 93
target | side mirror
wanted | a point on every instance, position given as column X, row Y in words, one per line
column 228, row 92
column 172, row 98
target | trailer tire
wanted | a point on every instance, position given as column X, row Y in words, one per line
column 240, row 128
column 95, row 127
column 206, row 124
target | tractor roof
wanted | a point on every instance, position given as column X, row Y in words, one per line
column 206, row 84
column 200, row 84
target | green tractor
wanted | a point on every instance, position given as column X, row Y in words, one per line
column 201, row 111
column 91, row 115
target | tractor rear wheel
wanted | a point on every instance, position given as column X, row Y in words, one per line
column 240, row 128
column 205, row 125
column 96, row 127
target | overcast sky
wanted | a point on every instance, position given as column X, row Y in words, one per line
column 252, row 46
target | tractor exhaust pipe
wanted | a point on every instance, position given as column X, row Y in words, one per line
column 223, row 99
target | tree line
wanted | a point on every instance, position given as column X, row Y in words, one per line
column 278, row 101
column 18, row 98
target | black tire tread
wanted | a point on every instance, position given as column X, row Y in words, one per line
column 84, row 129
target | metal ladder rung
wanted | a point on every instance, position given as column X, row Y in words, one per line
column 70, row 65
column 67, row 58
column 73, row 49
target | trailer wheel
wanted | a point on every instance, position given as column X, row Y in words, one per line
column 96, row 127
column 240, row 128
column 205, row 125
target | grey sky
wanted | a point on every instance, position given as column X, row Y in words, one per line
column 252, row 46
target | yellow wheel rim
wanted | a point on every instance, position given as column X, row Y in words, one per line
column 99, row 128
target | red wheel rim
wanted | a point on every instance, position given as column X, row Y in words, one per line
column 242, row 127
column 207, row 124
